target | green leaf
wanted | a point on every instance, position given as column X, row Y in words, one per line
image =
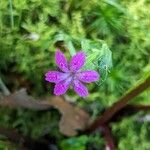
column 71, row 47
column 67, row 41
column 99, row 56
column 105, row 60
column 116, row 5
column 72, row 143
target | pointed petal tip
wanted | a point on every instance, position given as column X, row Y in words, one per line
column 57, row 94
column 55, row 76
column 77, row 61
column 84, row 96
column 88, row 76
column 80, row 89
column 61, row 61
column 80, row 52
column 62, row 87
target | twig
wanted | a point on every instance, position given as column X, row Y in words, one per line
column 121, row 103
column 4, row 88
column 137, row 107
column 108, row 138
column 129, row 110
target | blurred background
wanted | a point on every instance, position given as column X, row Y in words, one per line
column 30, row 32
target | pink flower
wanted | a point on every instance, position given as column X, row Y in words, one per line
column 71, row 74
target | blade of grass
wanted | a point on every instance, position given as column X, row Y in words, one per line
column 11, row 13
column 4, row 88
column 1, row 24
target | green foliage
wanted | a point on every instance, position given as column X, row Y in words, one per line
column 132, row 131
column 31, row 30
column 74, row 143
column 83, row 142
column 99, row 57
column 31, row 123
column 4, row 145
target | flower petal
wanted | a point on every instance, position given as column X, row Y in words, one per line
column 79, row 88
column 61, row 61
column 55, row 76
column 77, row 61
column 62, row 87
column 88, row 76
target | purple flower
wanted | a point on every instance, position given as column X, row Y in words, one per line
column 71, row 74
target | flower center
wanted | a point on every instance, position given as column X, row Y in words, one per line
column 72, row 75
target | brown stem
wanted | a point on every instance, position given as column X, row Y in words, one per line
column 108, row 138
column 121, row 103
column 137, row 107
column 129, row 110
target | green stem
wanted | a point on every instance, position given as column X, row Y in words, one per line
column 4, row 88
column 11, row 14
column 1, row 25
column 71, row 48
